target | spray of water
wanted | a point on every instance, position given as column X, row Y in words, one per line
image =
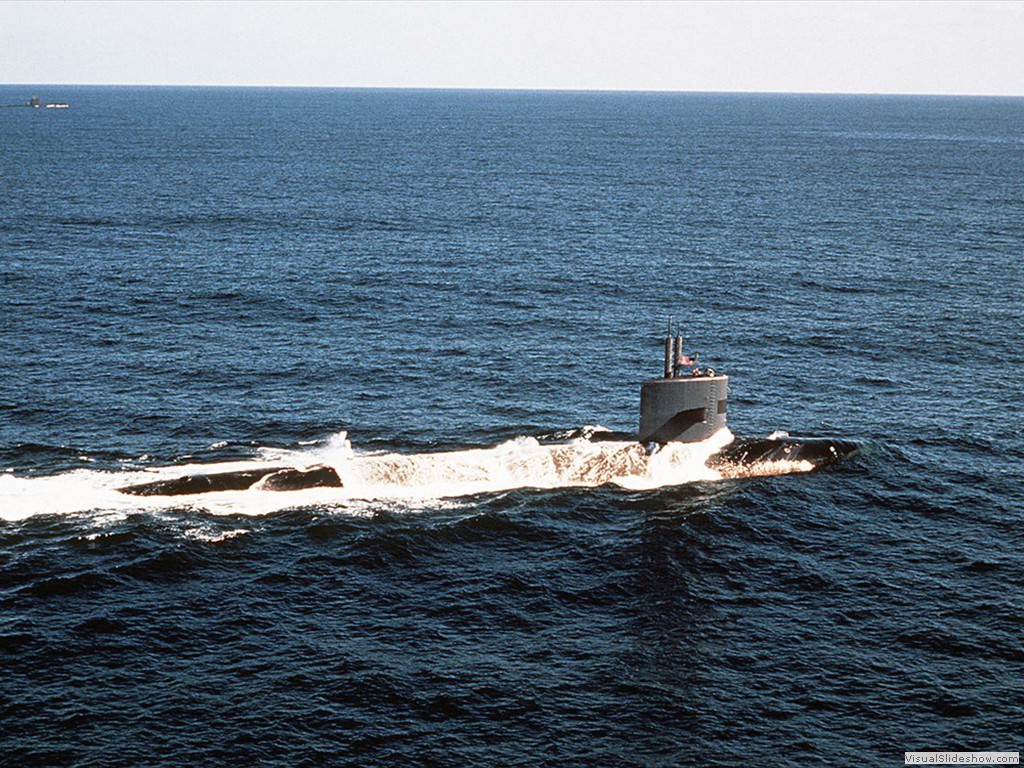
column 413, row 479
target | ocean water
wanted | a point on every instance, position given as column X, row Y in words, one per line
column 437, row 293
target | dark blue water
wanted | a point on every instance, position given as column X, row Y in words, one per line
column 215, row 275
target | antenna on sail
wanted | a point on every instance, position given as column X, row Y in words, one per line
column 668, row 349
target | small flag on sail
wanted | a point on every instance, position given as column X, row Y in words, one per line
column 685, row 360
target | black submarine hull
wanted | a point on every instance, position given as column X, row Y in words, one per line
column 266, row 478
column 735, row 459
column 749, row 452
column 752, row 451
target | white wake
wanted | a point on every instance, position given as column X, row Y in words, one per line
column 376, row 477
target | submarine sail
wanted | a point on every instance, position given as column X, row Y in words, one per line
column 687, row 404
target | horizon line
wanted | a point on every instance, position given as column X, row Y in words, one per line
column 520, row 89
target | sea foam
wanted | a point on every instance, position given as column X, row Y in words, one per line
column 417, row 478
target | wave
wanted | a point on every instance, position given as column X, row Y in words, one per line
column 412, row 479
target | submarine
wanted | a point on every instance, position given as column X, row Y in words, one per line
column 686, row 404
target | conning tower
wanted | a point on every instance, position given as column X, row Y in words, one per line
column 687, row 404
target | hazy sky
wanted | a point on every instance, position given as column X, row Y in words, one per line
column 846, row 47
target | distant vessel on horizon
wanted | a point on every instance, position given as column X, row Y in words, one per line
column 35, row 103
